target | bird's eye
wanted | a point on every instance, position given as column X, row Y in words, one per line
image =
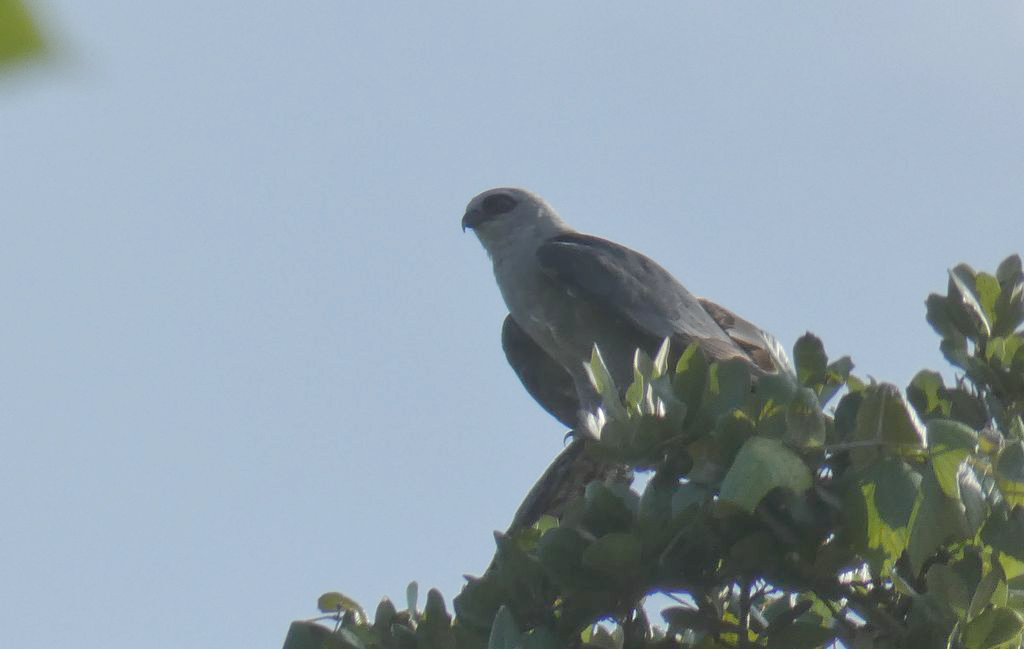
column 498, row 204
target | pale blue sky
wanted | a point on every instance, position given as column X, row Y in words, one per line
column 247, row 355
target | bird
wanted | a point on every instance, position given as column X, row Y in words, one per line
column 567, row 291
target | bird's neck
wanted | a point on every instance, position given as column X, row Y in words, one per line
column 520, row 245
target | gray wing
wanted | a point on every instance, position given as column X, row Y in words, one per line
column 636, row 288
column 546, row 381
column 762, row 347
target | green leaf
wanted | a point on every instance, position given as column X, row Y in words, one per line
column 776, row 388
column 435, row 626
column 962, row 279
column 656, row 500
column 614, row 433
column 517, row 571
column 384, row 615
column 597, row 372
column 985, row 590
column 411, row 595
column 956, row 352
column 674, row 411
column 810, row 359
column 986, row 288
column 731, row 431
column 1005, row 533
column 560, row 552
column 19, row 36
column 836, row 376
column 951, row 444
column 896, row 490
column 940, row 318
column 336, row 602
column 649, row 433
column 805, row 422
column 660, row 365
column 642, row 363
column 728, row 386
column 939, row 520
column 948, row 435
column 1003, row 350
column 479, row 600
column 846, row 415
column 1009, row 309
column 617, row 553
column 966, row 407
column 1009, row 271
column 879, row 511
column 801, row 635
column 1010, row 303
column 761, row 465
column 1009, row 472
column 604, row 384
column 545, row 523
column 435, row 608
column 609, row 508
column 504, row 631
column 690, row 376
column 992, row 628
column 635, row 392
column 885, row 417
column 925, row 393
column 972, row 496
column 945, row 584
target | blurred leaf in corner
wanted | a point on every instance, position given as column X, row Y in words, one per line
column 19, row 37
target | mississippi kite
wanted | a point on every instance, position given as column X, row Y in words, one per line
column 567, row 291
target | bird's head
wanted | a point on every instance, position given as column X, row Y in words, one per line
column 505, row 215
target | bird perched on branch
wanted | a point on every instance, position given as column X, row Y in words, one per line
column 567, row 292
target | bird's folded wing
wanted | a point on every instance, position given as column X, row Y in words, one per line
column 546, row 381
column 762, row 347
column 635, row 288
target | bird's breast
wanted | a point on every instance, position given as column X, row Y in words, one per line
column 564, row 323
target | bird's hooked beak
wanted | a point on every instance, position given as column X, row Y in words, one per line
column 473, row 218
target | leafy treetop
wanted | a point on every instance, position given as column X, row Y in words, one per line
column 895, row 519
